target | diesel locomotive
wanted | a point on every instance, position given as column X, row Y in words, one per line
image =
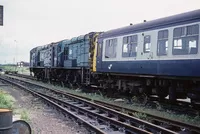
column 159, row 57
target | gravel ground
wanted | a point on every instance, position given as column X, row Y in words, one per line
column 43, row 119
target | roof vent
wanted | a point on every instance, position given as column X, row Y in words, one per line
column 145, row 20
column 131, row 24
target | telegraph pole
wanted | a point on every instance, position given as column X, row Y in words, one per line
column 1, row 15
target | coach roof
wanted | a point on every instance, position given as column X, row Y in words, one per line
column 183, row 18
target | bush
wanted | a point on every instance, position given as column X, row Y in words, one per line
column 6, row 101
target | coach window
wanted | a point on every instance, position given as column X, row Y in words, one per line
column 185, row 40
column 147, row 43
column 129, row 48
column 110, row 49
column 162, row 43
column 125, row 47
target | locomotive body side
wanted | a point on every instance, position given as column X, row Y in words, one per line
column 45, row 56
column 78, row 59
column 77, row 52
column 67, row 61
column 60, row 53
column 34, row 58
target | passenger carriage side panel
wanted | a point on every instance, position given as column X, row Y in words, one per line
column 143, row 63
column 147, row 60
column 150, row 63
column 180, row 65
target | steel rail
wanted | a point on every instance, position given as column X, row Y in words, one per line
column 169, row 122
column 79, row 108
column 62, row 106
column 118, row 115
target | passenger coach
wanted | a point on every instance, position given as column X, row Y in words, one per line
column 166, row 48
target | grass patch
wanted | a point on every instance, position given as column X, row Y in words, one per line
column 15, row 68
column 140, row 115
column 24, row 115
column 6, row 100
column 9, row 68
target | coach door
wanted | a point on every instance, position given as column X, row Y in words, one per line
column 147, row 53
column 148, row 64
column 162, row 50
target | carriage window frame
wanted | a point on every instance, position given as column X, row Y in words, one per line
column 147, row 42
column 130, row 43
column 183, row 38
column 110, row 48
column 162, row 39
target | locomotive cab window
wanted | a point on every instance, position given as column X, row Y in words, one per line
column 147, row 43
column 185, row 40
column 111, row 48
column 129, row 47
column 162, row 47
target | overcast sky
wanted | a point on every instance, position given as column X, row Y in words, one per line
column 30, row 23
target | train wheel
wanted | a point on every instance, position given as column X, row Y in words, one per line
column 172, row 94
column 110, row 92
column 141, row 99
column 147, row 90
column 162, row 92
column 195, row 104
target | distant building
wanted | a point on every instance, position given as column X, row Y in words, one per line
column 23, row 64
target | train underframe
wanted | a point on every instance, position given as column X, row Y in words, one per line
column 132, row 85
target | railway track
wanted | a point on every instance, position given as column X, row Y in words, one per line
column 99, row 118
column 163, row 122
column 24, row 76
column 180, row 107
